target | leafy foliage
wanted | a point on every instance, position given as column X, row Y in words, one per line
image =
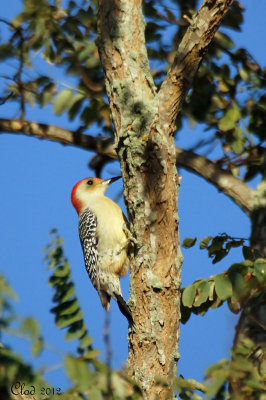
column 6, row 295
column 186, row 388
column 219, row 246
column 92, row 379
column 30, row 328
column 13, row 370
column 67, row 311
column 241, row 371
column 238, row 283
column 12, row 367
column 227, row 96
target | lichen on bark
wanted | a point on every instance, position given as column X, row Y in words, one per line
column 144, row 121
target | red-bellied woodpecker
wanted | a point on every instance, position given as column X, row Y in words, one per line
column 103, row 237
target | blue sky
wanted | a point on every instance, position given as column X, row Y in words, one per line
column 36, row 180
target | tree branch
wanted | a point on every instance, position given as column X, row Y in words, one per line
column 190, row 52
column 103, row 146
column 233, row 187
column 224, row 181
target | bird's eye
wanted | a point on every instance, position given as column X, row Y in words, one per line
column 90, row 182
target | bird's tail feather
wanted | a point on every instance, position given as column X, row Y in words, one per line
column 123, row 307
column 105, row 299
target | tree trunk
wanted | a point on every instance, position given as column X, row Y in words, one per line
column 147, row 158
column 252, row 321
column 155, row 279
column 144, row 120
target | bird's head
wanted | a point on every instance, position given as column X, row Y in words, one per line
column 88, row 190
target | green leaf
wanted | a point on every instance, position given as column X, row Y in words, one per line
column 260, row 271
column 248, row 264
column 75, row 107
column 228, row 121
column 31, row 327
column 6, row 51
column 62, row 270
column 62, row 321
column 223, row 286
column 244, row 74
column 78, row 372
column 218, row 378
column 216, row 244
column 94, row 393
column 241, row 287
column 47, row 94
column 62, row 101
column 234, row 18
column 55, row 280
column 86, row 341
column 224, row 40
column 189, row 294
column 237, row 145
column 18, row 20
column 91, row 354
column 233, row 306
column 6, row 290
column 202, row 293
column 66, row 308
column 204, row 242
column 219, row 255
column 64, row 292
column 224, row 87
column 37, row 347
column 216, row 303
column 185, row 313
column 40, row 30
column 189, row 242
column 72, row 335
column 247, row 253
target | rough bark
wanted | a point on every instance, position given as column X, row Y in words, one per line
column 258, row 219
column 252, row 321
column 189, row 55
column 148, row 167
column 144, row 123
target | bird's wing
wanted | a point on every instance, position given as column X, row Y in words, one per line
column 87, row 229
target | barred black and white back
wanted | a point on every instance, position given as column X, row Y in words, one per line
column 104, row 281
column 88, row 239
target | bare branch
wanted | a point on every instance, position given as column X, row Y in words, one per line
column 189, row 55
column 225, row 182
column 4, row 99
column 102, row 146
column 233, row 187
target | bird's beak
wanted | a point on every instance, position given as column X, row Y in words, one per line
column 111, row 180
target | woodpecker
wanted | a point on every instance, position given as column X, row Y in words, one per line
column 104, row 241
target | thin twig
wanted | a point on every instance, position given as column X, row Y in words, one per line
column 107, row 340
